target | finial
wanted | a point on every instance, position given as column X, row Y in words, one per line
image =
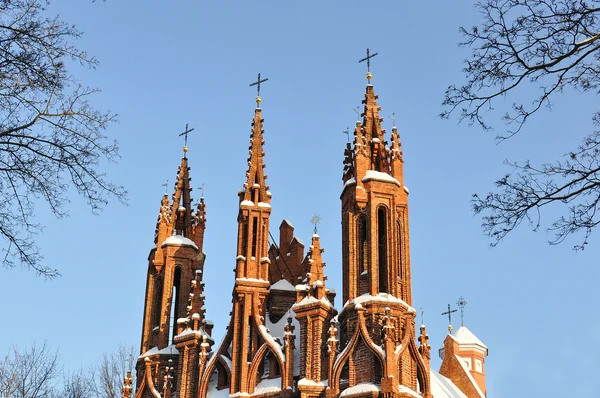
column 393, row 117
column 315, row 220
column 185, row 133
column 202, row 189
column 257, row 84
column 422, row 316
column 347, row 132
column 368, row 59
column 357, row 110
column 461, row 304
column 166, row 185
column 449, row 313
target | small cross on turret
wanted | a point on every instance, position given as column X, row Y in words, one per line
column 368, row 59
column 449, row 313
column 185, row 133
column 257, row 84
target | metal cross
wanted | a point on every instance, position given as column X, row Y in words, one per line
column 368, row 59
column 186, row 132
column 357, row 110
column 315, row 220
column 449, row 313
column 347, row 132
column 202, row 189
column 393, row 117
column 461, row 304
column 166, row 185
column 422, row 316
column 257, row 84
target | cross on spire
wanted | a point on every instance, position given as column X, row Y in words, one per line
column 393, row 117
column 315, row 220
column 357, row 110
column 202, row 189
column 368, row 59
column 461, row 304
column 422, row 316
column 257, row 84
column 449, row 313
column 185, row 133
column 166, row 185
column 347, row 132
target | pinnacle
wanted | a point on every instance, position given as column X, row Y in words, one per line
column 255, row 188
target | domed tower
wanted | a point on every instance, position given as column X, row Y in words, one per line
column 377, row 323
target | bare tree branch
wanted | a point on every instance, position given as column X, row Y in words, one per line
column 553, row 45
column 51, row 137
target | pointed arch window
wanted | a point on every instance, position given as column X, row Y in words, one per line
column 175, row 303
column 382, row 249
column 363, row 257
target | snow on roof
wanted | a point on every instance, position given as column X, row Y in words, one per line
column 465, row 336
column 409, row 391
column 246, row 203
column 288, row 222
column 212, row 391
column 264, row 204
column 154, row 350
column 360, row 389
column 380, row 297
column 178, row 240
column 268, row 386
column 298, row 240
column 283, row 285
column 468, row 372
column 442, row 387
column 379, row 176
column 277, row 330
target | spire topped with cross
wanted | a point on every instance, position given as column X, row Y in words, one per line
column 257, row 84
column 368, row 59
column 185, row 134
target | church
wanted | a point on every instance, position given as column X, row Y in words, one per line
column 286, row 336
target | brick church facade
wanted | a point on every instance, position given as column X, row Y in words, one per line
column 285, row 337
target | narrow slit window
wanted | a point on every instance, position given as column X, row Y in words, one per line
column 382, row 249
column 362, row 244
column 254, row 235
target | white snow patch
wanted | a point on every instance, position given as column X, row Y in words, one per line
column 360, row 389
column 379, row 176
column 246, row 203
column 443, row 387
column 283, row 285
column 178, row 240
column 465, row 336
column 268, row 386
column 264, row 205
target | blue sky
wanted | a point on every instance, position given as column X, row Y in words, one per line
column 191, row 62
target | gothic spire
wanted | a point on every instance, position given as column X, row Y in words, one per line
column 255, row 188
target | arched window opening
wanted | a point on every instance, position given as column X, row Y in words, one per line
column 254, row 235
column 221, row 376
column 400, row 262
column 363, row 258
column 158, row 289
column 382, row 249
column 244, row 248
column 175, row 303
column 249, row 338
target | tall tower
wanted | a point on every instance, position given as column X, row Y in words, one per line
column 248, row 349
column 377, row 323
column 174, row 286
